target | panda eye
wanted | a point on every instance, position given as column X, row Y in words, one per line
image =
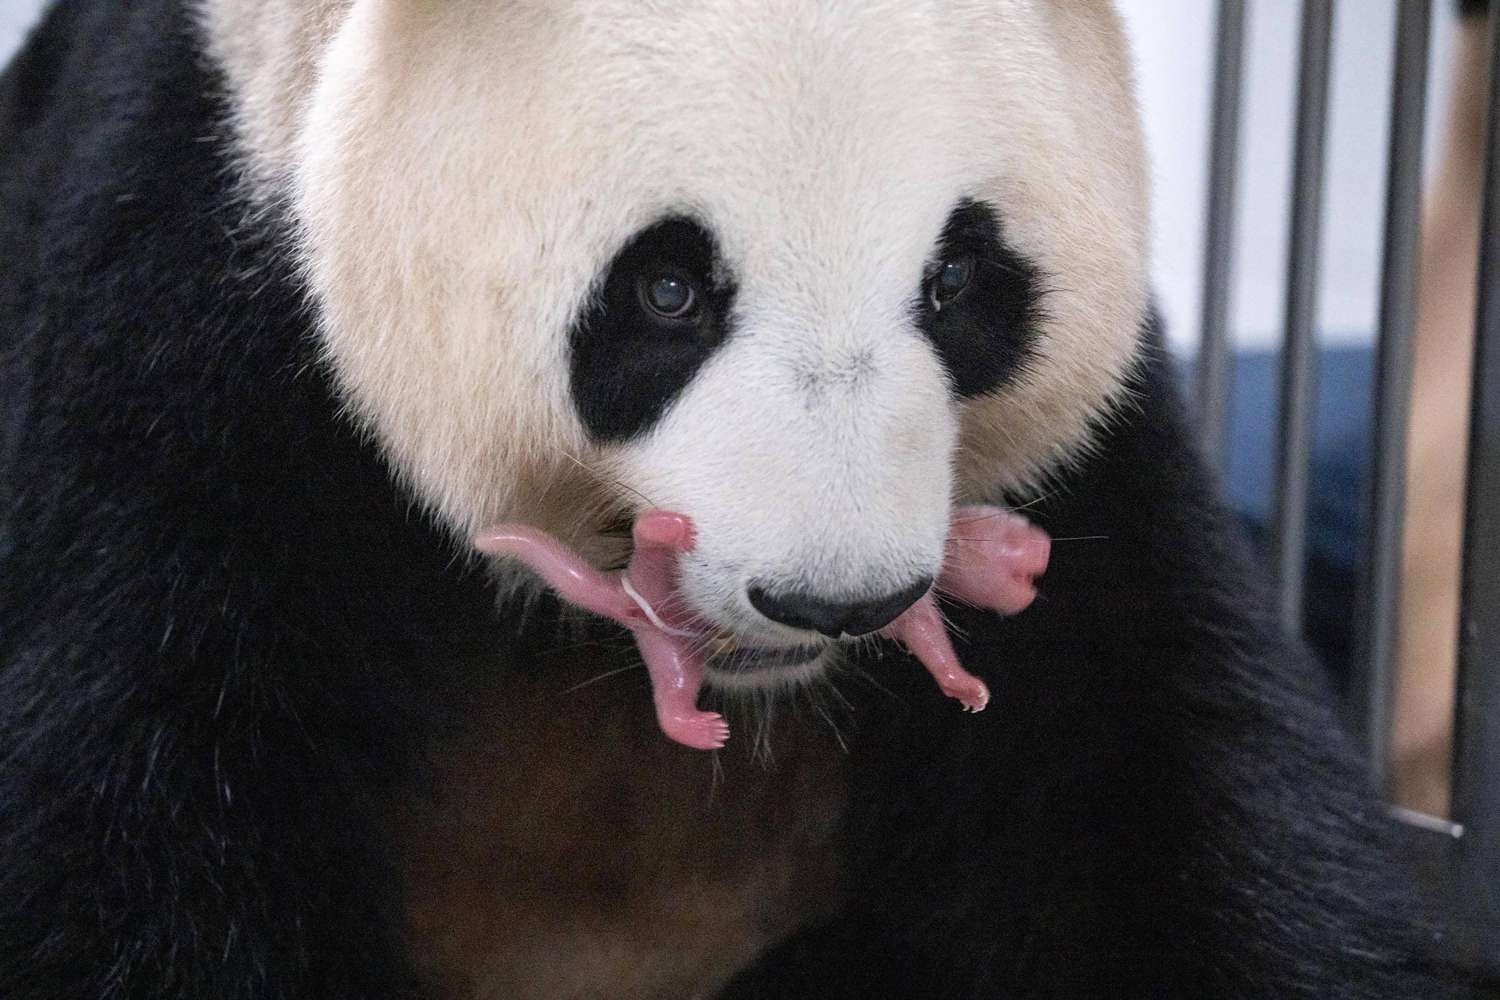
column 951, row 278
column 669, row 295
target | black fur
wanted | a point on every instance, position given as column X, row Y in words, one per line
column 628, row 364
column 211, row 596
column 987, row 333
column 203, row 634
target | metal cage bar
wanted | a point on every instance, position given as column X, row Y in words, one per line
column 1212, row 374
column 1476, row 785
column 1371, row 689
column 1289, row 517
column 1464, row 855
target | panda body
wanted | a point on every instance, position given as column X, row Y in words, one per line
column 265, row 732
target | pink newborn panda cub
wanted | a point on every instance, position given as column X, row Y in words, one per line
column 992, row 560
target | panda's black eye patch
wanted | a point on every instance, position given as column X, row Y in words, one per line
column 979, row 302
column 657, row 313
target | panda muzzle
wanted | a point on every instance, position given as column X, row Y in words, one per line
column 992, row 561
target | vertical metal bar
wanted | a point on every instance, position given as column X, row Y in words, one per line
column 1289, row 516
column 1218, row 242
column 1375, row 642
column 1476, row 785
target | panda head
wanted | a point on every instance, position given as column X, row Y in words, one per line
column 808, row 273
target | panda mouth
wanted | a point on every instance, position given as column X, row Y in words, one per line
column 992, row 561
column 748, row 669
column 730, row 657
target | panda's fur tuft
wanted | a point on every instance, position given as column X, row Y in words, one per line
column 290, row 302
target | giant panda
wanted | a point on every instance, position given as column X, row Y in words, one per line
column 299, row 295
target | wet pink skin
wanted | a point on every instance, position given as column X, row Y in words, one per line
column 992, row 561
column 672, row 660
column 993, row 558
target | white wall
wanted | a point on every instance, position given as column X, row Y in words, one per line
column 1172, row 41
column 15, row 17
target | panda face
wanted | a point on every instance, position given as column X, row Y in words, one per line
column 809, row 438
column 807, row 273
column 812, row 442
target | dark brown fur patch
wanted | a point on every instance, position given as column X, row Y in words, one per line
column 566, row 849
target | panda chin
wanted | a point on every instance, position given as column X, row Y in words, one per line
column 748, row 668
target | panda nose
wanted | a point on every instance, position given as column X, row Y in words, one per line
column 799, row 609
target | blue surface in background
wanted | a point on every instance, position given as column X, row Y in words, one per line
column 1340, row 459
column 1340, row 462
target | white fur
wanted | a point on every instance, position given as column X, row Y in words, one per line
column 462, row 170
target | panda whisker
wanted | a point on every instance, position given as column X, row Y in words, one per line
column 950, row 625
column 815, row 702
column 765, row 717
column 717, row 778
column 676, row 605
column 600, row 514
column 1001, row 509
column 838, row 696
column 608, row 480
column 868, row 678
column 1066, row 538
column 604, row 676
column 961, row 602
